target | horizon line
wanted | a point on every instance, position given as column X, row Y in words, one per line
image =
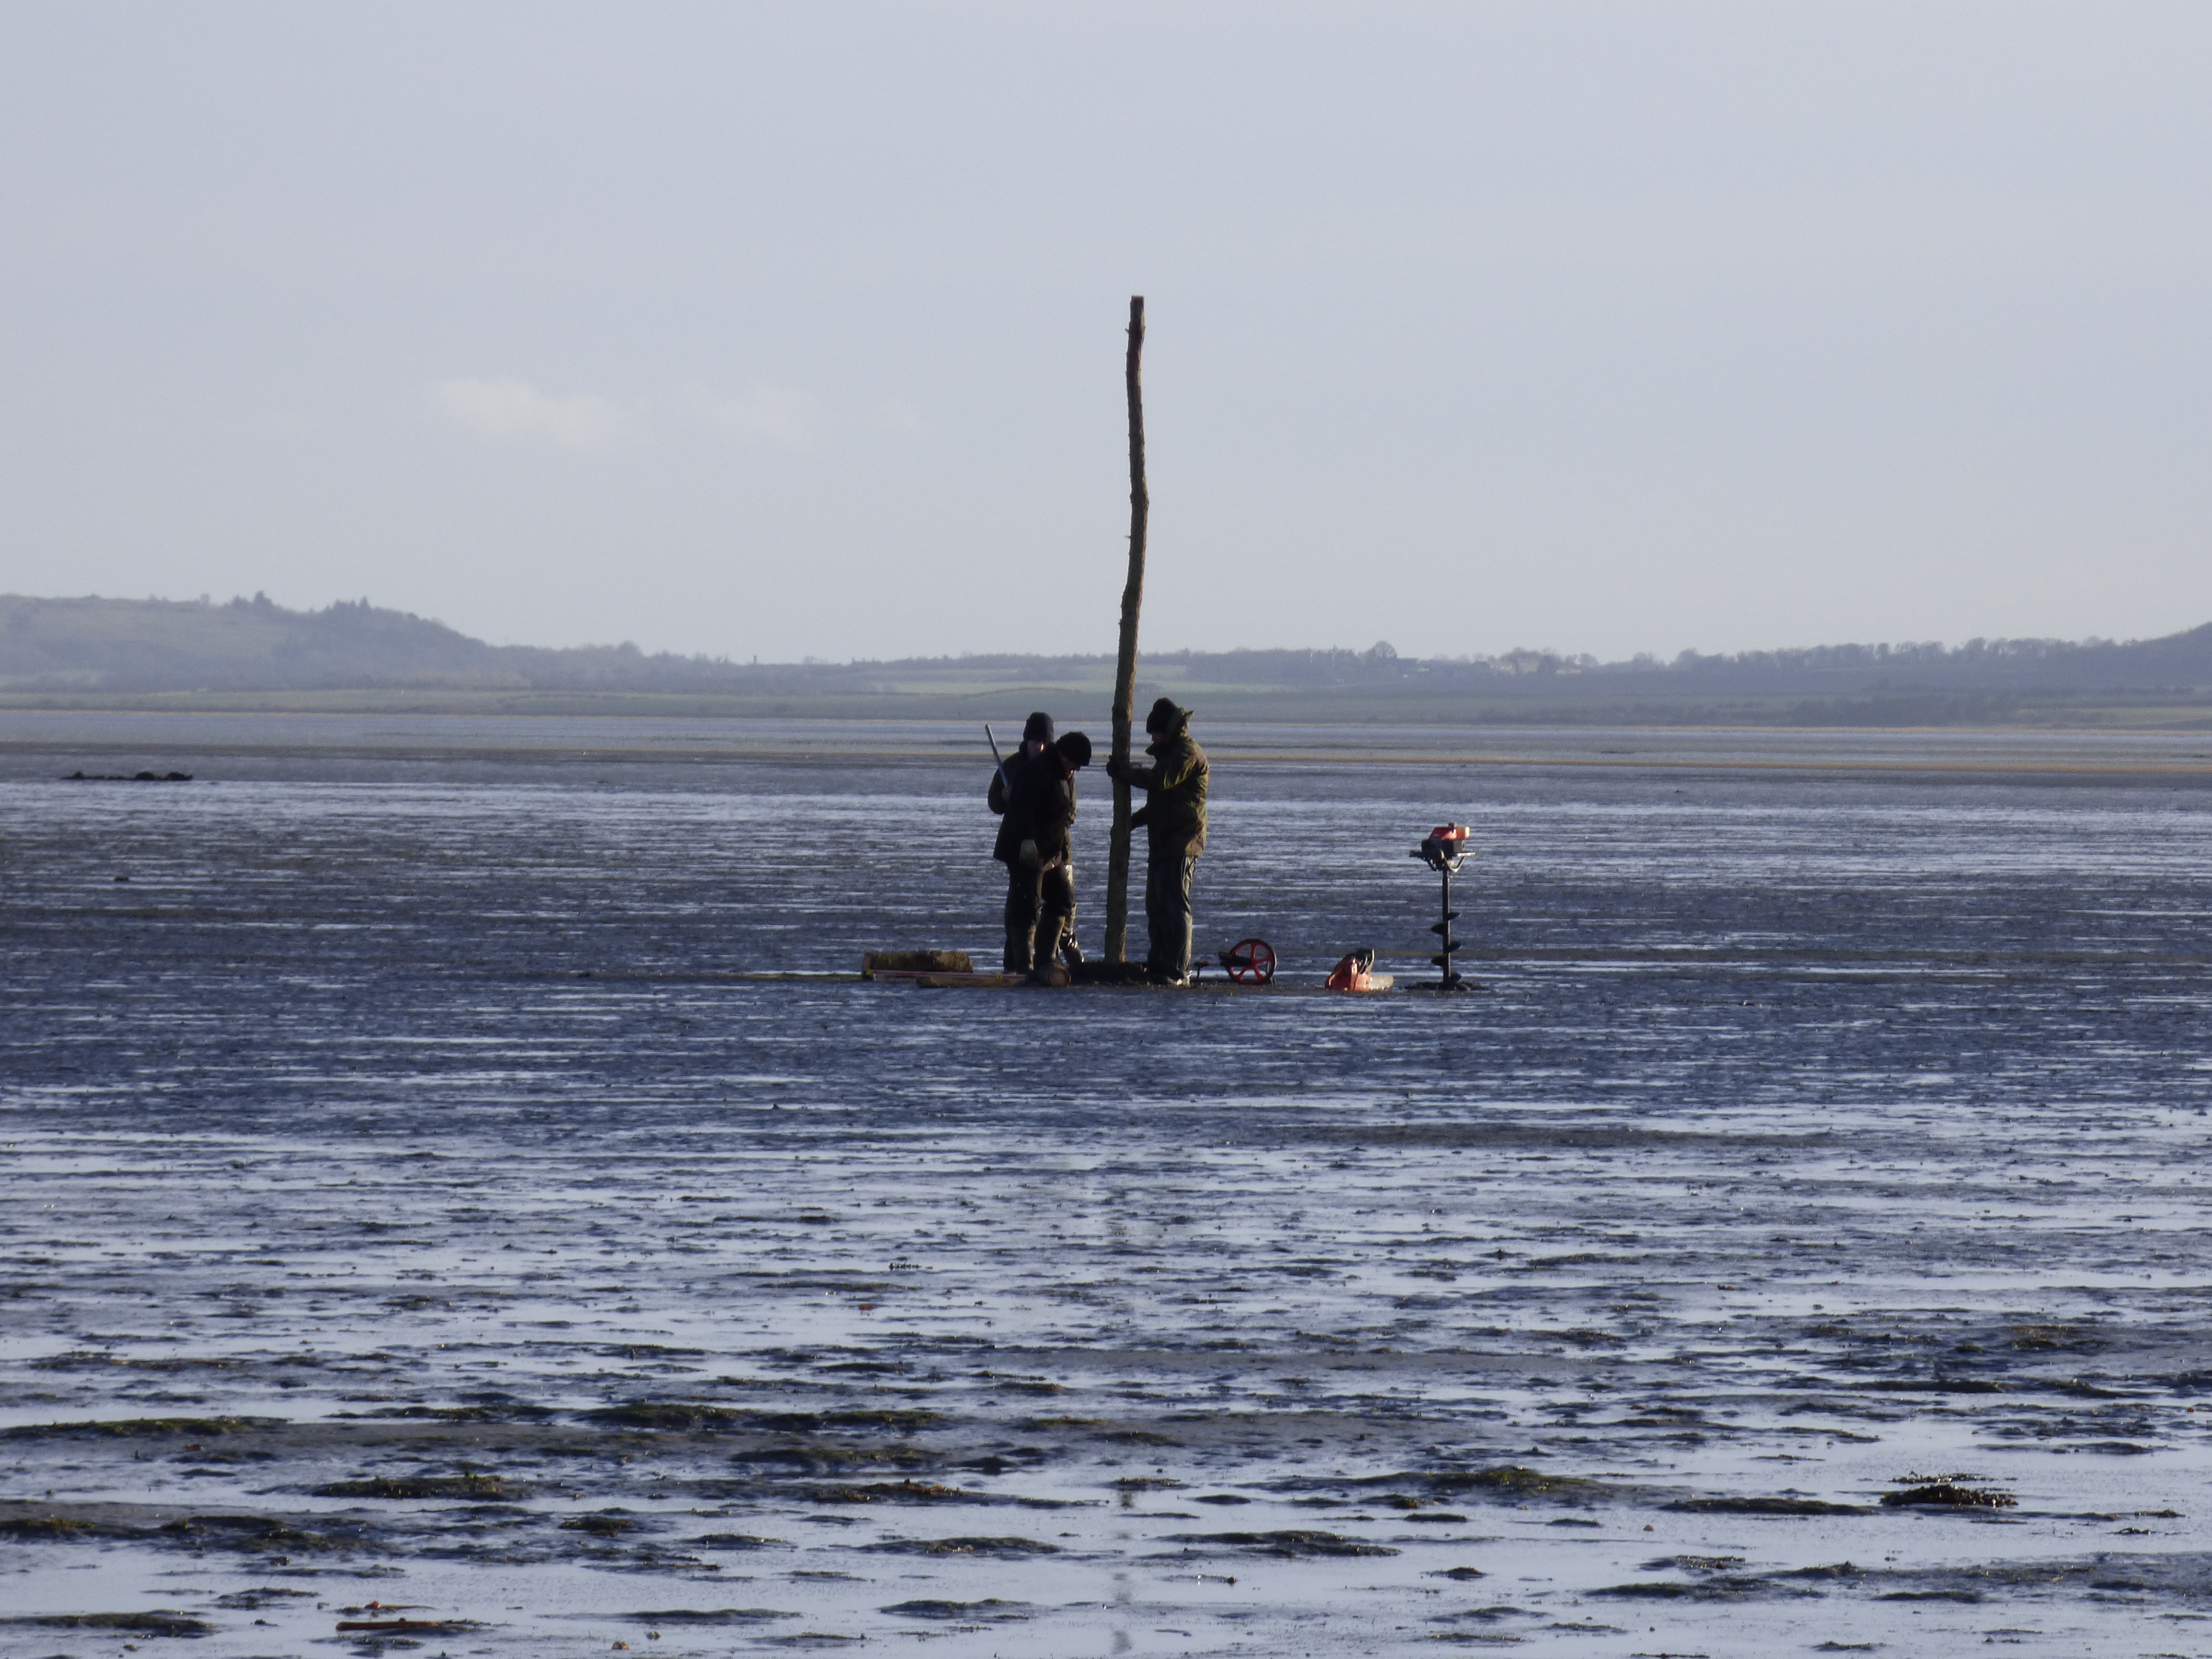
column 1381, row 649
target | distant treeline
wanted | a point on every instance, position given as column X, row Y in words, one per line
column 107, row 647
column 2176, row 662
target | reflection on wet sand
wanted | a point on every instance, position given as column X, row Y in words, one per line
column 419, row 1233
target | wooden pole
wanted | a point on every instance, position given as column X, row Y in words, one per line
column 1125, row 667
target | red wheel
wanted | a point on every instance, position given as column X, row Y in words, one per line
column 1250, row 962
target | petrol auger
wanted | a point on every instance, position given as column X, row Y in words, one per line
column 1444, row 851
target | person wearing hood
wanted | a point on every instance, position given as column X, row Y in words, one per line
column 1034, row 796
column 1174, row 817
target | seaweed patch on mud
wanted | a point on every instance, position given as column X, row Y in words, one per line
column 261, row 1596
column 1001, row 1549
column 512, row 1412
column 482, row 1488
column 48, row 1527
column 990, row 1610
column 608, row 1524
column 693, row 1616
column 895, row 1491
column 122, row 1623
column 684, row 1416
column 1295, row 1542
column 267, row 1535
column 1509, row 1483
column 894, row 1421
column 1717, row 1587
column 143, row 1428
column 1946, row 1492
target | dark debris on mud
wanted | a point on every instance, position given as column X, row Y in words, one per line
column 1289, row 1542
column 1003, row 1549
column 122, row 1623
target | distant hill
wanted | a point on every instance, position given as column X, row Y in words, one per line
column 102, row 652
column 164, row 645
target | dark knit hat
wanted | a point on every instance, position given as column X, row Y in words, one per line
column 1039, row 726
column 1074, row 749
column 1166, row 715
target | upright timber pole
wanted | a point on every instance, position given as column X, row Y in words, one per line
column 1125, row 667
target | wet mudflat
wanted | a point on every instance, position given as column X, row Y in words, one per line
column 421, row 1235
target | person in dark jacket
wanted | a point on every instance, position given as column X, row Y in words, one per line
column 1042, row 806
column 1174, row 817
column 1035, row 799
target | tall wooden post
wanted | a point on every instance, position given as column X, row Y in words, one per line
column 1125, row 667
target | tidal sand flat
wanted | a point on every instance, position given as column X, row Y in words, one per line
column 452, row 1208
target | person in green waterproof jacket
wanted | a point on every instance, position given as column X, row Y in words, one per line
column 1174, row 817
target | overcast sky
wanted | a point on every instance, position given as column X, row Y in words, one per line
column 797, row 329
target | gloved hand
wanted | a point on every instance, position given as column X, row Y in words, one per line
column 1115, row 766
column 1028, row 853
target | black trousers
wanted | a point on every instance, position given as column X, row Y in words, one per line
column 1040, row 913
column 1167, row 913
